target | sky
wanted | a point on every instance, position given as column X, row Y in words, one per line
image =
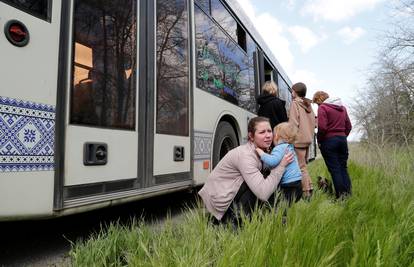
column 327, row 44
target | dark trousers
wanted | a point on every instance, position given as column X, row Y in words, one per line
column 335, row 153
column 244, row 200
column 292, row 191
column 289, row 192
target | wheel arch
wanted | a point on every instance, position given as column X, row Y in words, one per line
column 233, row 122
column 230, row 120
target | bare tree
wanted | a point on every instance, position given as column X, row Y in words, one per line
column 400, row 40
column 385, row 110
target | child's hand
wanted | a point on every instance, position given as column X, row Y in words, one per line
column 259, row 151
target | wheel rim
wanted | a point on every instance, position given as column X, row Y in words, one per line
column 226, row 145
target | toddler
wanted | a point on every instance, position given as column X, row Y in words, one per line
column 284, row 137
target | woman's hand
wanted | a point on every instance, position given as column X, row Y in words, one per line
column 259, row 151
column 287, row 158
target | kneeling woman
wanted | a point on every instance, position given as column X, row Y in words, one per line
column 237, row 182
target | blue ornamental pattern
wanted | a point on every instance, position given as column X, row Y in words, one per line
column 202, row 145
column 27, row 132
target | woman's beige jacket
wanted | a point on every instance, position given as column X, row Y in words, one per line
column 238, row 165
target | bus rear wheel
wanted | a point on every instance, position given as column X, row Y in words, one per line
column 224, row 140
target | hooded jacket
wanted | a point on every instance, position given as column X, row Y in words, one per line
column 302, row 115
column 333, row 119
column 273, row 108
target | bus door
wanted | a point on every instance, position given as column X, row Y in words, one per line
column 101, row 145
column 172, row 154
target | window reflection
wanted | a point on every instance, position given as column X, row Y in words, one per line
column 172, row 68
column 39, row 8
column 204, row 4
column 251, row 49
column 284, row 92
column 223, row 68
column 223, row 18
column 103, row 92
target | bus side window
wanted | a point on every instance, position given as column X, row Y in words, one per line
column 103, row 80
column 40, row 8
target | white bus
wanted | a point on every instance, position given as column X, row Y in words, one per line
column 105, row 102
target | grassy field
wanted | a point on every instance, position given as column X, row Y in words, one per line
column 375, row 227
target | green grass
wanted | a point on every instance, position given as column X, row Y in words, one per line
column 375, row 227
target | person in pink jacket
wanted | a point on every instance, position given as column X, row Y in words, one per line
column 334, row 126
column 237, row 182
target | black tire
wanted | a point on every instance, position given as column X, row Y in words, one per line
column 224, row 140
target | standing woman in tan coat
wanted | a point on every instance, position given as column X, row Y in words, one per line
column 302, row 115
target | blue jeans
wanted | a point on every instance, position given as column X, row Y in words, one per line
column 335, row 153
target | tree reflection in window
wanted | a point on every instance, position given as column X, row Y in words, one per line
column 104, row 76
column 172, row 68
column 223, row 18
column 223, row 68
column 205, row 5
column 39, row 8
column 284, row 92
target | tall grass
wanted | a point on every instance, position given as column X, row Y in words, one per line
column 375, row 227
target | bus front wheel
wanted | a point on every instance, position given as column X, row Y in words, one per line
column 224, row 140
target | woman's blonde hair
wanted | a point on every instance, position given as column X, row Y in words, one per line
column 270, row 88
column 286, row 131
column 319, row 97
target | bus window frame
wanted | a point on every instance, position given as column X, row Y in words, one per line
column 260, row 56
column 201, row 6
column 223, row 29
column 75, row 64
column 47, row 18
column 231, row 39
column 159, row 130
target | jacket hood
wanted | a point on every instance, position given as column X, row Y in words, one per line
column 334, row 103
column 304, row 103
column 263, row 99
